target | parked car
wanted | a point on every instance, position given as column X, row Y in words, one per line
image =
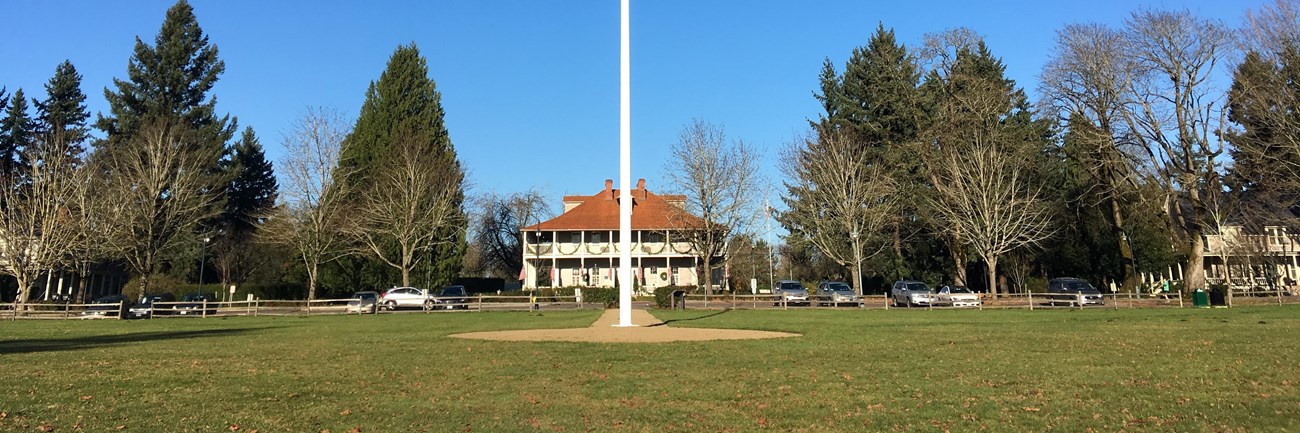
column 196, row 304
column 405, row 297
column 956, row 296
column 835, row 293
column 907, row 293
column 105, row 306
column 452, row 297
column 148, row 306
column 363, row 302
column 791, row 293
column 1073, row 292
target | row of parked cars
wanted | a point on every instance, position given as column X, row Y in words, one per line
column 195, row 304
column 911, row 293
column 448, row 298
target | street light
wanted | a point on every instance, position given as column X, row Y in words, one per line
column 203, row 259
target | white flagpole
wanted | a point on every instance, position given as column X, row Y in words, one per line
column 625, row 174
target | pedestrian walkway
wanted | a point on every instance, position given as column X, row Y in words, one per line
column 649, row 329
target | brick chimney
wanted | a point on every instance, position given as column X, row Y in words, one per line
column 609, row 188
column 640, row 186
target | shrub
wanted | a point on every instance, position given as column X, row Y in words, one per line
column 601, row 295
column 664, row 296
column 158, row 283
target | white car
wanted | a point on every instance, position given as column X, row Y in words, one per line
column 405, row 297
column 956, row 296
column 908, row 293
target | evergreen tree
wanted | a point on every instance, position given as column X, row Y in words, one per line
column 62, row 115
column 17, row 133
column 405, row 107
column 170, row 80
column 253, row 188
column 1264, row 100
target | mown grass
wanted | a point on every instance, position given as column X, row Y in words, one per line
column 1067, row 370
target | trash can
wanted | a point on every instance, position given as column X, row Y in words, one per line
column 1218, row 297
column 1200, row 298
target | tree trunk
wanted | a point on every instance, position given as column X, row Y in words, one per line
column 958, row 263
column 1128, row 269
column 312, row 271
column 857, row 267
column 1194, row 270
column 406, row 276
column 993, row 275
column 708, row 276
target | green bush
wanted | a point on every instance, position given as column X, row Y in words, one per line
column 601, row 295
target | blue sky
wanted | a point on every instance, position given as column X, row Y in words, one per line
column 531, row 87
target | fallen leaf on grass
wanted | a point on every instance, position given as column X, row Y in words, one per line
column 234, row 427
column 4, row 415
column 325, row 431
column 121, row 427
column 1032, row 409
column 45, row 428
column 346, row 412
column 86, row 397
column 762, row 421
column 356, row 429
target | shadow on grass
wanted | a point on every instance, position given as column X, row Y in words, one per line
column 9, row 347
column 711, row 314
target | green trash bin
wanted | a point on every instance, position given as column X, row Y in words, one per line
column 1200, row 298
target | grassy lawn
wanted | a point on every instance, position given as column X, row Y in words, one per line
column 1068, row 371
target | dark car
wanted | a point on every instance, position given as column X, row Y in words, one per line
column 451, row 297
column 196, row 304
column 147, row 306
column 366, row 302
column 106, row 306
column 1073, row 292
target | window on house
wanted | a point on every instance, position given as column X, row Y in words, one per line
column 576, row 238
column 596, row 238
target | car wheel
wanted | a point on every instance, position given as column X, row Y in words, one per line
column 390, row 305
column 428, row 305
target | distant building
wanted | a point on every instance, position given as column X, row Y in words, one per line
column 1246, row 261
column 579, row 248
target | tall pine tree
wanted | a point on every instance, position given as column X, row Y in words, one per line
column 170, row 80
column 17, row 133
column 166, row 98
column 62, row 115
column 404, row 106
column 253, row 188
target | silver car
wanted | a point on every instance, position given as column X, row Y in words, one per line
column 835, row 293
column 790, row 292
column 911, row 293
column 956, row 296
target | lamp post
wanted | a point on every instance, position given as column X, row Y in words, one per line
column 203, row 259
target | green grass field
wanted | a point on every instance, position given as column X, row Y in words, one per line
column 1066, row 370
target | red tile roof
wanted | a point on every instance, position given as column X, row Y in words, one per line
column 650, row 211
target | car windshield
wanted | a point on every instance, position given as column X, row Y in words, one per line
column 452, row 291
column 791, row 286
column 921, row 287
column 363, row 295
column 960, row 290
column 1077, row 286
column 838, row 287
column 195, row 298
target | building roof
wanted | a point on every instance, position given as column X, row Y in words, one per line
column 650, row 211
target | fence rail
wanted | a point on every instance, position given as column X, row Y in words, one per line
column 479, row 303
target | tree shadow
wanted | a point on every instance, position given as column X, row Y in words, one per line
column 711, row 314
column 34, row 345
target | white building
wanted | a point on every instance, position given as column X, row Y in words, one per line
column 579, row 248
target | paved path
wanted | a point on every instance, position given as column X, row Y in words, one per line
column 649, row 330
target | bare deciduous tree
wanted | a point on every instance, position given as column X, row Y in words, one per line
column 983, row 193
column 35, row 221
column 1085, row 81
column 1174, row 110
column 414, row 196
column 311, row 219
column 159, row 186
column 839, row 201
column 499, row 233
column 720, row 181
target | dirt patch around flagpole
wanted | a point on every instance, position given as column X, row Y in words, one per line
column 648, row 330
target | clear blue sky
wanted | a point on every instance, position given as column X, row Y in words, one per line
column 531, row 87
